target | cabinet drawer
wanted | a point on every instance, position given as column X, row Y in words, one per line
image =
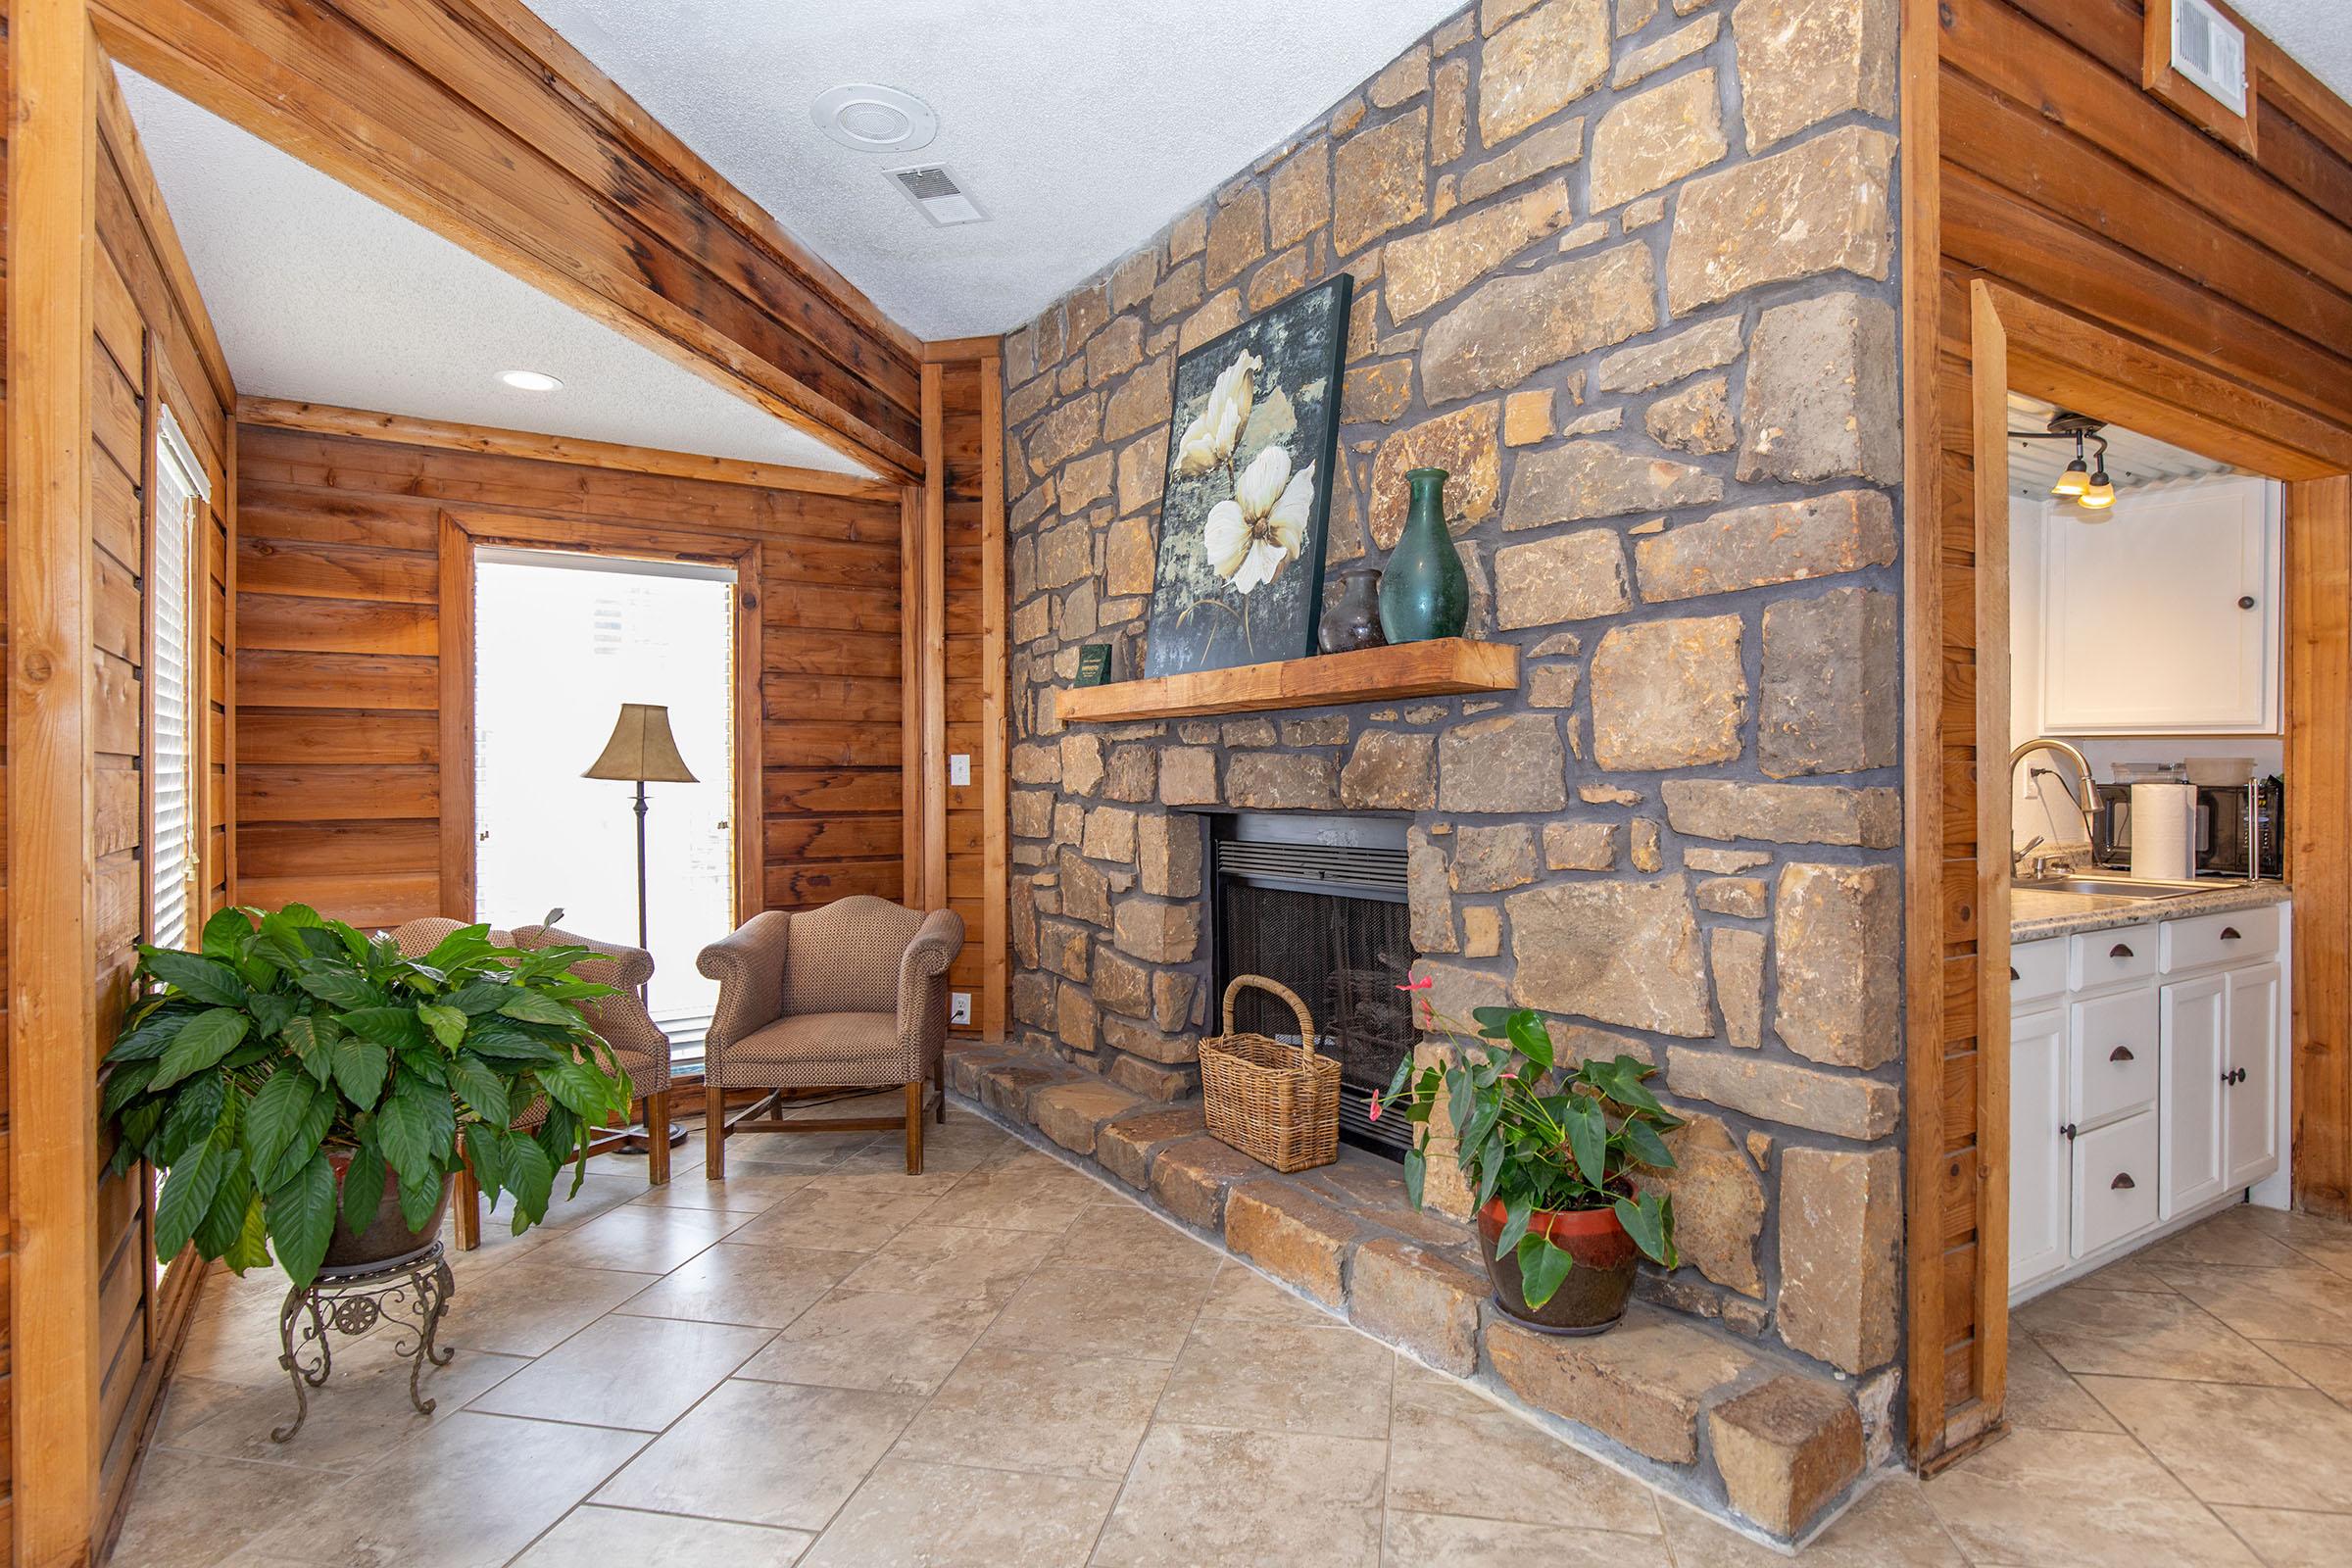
column 2112, row 1055
column 2243, row 936
column 2102, row 958
column 2116, row 1189
column 2036, row 969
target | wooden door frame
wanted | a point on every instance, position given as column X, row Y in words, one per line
column 463, row 532
column 2023, row 343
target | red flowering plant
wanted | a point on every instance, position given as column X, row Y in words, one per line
column 1541, row 1137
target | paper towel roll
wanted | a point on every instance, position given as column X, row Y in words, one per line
column 2164, row 831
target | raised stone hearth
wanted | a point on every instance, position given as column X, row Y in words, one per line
column 1736, row 1426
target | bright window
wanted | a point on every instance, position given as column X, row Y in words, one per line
column 181, row 492
column 560, row 641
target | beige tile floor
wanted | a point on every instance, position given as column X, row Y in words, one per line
column 823, row 1361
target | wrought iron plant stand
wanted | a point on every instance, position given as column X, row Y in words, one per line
column 352, row 1300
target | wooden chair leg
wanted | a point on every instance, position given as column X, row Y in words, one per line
column 470, row 1210
column 714, row 1133
column 940, row 1082
column 656, row 1139
column 915, row 1128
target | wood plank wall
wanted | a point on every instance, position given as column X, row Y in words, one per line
column 8, row 1205
column 2057, row 176
column 973, row 702
column 338, row 613
column 152, row 348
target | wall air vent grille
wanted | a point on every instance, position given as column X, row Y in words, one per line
column 2210, row 50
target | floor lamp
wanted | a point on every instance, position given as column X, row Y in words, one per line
column 642, row 752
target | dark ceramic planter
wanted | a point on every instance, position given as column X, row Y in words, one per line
column 1352, row 619
column 1592, row 1297
column 387, row 1239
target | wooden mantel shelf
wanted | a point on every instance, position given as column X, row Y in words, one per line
column 1371, row 675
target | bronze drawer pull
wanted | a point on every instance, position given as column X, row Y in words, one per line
column 2121, row 1054
column 2068, row 1130
column 2013, row 974
column 2122, row 1183
column 2119, row 950
column 2230, row 932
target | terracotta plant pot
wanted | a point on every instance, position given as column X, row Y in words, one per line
column 1592, row 1297
column 387, row 1239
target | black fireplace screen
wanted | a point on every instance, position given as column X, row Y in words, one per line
column 1331, row 923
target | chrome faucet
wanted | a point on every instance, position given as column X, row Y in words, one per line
column 2083, row 799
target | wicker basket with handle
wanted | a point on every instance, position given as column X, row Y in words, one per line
column 1279, row 1103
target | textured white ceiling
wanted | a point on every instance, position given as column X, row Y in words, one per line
column 321, row 294
column 1080, row 127
column 2317, row 32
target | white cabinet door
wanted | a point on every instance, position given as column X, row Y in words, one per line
column 2039, row 1173
column 2193, row 1031
column 2250, row 1099
column 2165, row 618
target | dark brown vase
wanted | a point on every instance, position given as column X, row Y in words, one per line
column 387, row 1239
column 1592, row 1297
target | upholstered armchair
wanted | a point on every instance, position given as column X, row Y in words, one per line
column 851, row 996
column 642, row 1049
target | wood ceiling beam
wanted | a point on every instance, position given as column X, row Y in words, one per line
column 470, row 118
column 324, row 419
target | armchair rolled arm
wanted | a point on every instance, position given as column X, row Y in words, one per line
column 922, row 982
column 749, row 966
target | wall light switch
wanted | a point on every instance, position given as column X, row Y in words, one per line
column 959, row 769
column 960, row 1006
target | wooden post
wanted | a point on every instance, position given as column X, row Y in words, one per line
column 53, row 1114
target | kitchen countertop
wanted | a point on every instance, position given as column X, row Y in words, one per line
column 2035, row 913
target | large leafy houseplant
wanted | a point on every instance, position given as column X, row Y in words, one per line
column 280, row 1071
column 1539, row 1140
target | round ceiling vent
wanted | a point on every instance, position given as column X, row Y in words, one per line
column 873, row 119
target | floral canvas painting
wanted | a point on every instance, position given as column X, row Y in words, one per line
column 1250, row 446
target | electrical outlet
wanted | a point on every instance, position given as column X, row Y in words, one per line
column 959, row 769
column 960, row 1006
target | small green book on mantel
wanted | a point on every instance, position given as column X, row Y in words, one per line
column 1094, row 664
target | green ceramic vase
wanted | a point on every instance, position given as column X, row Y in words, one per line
column 1424, row 593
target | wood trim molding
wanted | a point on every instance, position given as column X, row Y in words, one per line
column 911, row 887
column 995, row 763
column 461, row 533
column 54, row 66
column 958, row 350
column 325, row 418
column 933, row 653
column 453, row 114
column 454, row 667
column 138, row 178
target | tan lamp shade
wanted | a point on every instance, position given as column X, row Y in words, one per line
column 641, row 749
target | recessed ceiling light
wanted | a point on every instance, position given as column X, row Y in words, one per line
column 873, row 119
column 530, row 380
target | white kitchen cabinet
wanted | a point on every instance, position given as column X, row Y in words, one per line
column 2163, row 618
column 2039, row 1180
column 2194, row 1023
column 2250, row 1099
column 2145, row 1091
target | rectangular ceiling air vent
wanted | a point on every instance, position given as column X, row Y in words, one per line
column 936, row 195
column 2210, row 50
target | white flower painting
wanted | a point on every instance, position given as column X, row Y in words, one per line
column 1252, row 439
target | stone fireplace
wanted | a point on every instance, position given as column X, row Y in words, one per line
column 1626, row 270
column 1320, row 905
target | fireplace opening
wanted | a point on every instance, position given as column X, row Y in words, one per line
column 1319, row 904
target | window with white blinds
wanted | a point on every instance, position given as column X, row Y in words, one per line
column 182, row 491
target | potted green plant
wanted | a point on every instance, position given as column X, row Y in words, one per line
column 1549, row 1155
column 311, row 1091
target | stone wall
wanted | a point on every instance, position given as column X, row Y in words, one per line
column 1627, row 270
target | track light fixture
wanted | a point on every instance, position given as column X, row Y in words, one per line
column 2086, row 486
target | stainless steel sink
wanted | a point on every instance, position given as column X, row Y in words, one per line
column 2111, row 887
